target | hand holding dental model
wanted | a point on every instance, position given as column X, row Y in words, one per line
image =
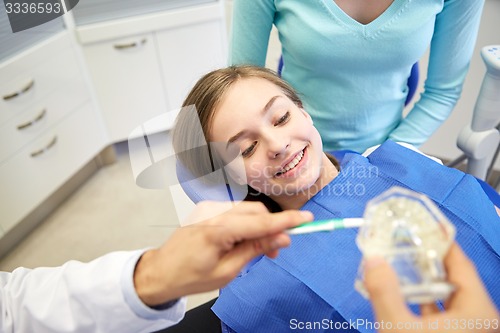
column 404, row 241
column 404, row 238
column 409, row 231
column 469, row 309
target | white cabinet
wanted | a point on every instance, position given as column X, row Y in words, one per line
column 140, row 66
column 37, row 90
column 144, row 66
column 188, row 52
column 128, row 83
column 42, row 166
column 49, row 127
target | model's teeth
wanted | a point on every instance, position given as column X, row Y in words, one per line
column 293, row 163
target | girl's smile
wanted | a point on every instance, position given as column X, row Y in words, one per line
column 291, row 168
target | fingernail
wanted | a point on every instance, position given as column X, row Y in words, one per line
column 307, row 215
column 275, row 245
column 372, row 262
column 279, row 242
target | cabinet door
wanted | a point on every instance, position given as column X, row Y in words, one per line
column 127, row 82
column 187, row 52
column 39, row 169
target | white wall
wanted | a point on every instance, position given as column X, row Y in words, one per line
column 443, row 142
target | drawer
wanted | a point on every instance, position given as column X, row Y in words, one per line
column 35, row 74
column 44, row 165
column 27, row 126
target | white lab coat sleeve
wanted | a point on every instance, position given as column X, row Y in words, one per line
column 80, row 297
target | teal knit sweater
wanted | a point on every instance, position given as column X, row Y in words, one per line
column 353, row 77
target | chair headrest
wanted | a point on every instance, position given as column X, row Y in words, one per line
column 217, row 186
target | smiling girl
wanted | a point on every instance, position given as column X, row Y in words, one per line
column 250, row 112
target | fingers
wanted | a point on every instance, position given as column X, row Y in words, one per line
column 382, row 285
column 250, row 207
column 243, row 207
column 462, row 274
column 206, row 210
column 249, row 230
column 231, row 239
column 470, row 292
column 429, row 309
column 271, row 248
column 459, row 268
column 251, row 226
column 241, row 254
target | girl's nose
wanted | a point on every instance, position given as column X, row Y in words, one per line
column 277, row 146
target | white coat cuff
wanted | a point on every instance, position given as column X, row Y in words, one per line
column 174, row 313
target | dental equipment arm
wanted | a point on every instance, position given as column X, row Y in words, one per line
column 480, row 139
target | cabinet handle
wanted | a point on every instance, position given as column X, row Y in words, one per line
column 47, row 147
column 34, row 121
column 130, row 45
column 21, row 91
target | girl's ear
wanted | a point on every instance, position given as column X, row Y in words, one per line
column 307, row 115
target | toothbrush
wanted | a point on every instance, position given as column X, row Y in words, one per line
column 326, row 225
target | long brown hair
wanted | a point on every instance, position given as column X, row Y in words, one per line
column 190, row 143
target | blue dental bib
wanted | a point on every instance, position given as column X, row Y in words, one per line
column 310, row 286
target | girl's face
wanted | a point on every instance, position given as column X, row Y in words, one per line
column 281, row 149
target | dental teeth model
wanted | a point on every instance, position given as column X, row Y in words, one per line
column 411, row 233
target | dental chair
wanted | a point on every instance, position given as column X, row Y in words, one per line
column 480, row 140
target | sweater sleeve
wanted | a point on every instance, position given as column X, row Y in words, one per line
column 251, row 27
column 452, row 45
column 79, row 297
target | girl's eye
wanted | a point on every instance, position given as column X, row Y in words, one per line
column 283, row 119
column 248, row 152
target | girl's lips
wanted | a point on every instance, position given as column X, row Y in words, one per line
column 291, row 172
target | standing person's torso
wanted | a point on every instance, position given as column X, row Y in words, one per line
column 351, row 76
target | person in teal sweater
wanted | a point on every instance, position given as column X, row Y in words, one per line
column 350, row 61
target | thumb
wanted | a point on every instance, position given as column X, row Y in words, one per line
column 383, row 287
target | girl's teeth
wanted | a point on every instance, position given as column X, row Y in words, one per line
column 295, row 161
